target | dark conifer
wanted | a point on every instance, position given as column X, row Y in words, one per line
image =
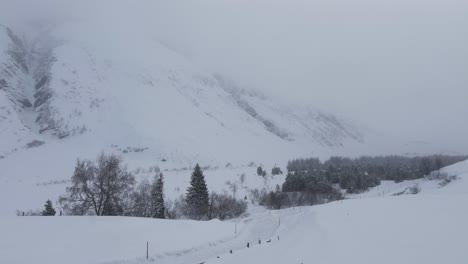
column 157, row 195
column 197, row 197
column 49, row 209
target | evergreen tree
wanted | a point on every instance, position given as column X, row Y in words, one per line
column 260, row 171
column 197, row 197
column 49, row 209
column 157, row 196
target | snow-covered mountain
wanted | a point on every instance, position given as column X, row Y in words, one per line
column 128, row 91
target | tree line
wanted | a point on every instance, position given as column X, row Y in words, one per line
column 310, row 181
column 106, row 188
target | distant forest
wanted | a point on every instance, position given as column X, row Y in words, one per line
column 356, row 175
column 311, row 181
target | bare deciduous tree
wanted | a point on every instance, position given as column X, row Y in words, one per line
column 101, row 189
column 233, row 187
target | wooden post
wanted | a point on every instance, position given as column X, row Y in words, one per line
column 147, row 250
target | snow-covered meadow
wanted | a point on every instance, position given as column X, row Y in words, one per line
column 428, row 227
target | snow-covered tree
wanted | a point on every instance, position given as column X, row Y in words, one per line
column 157, row 197
column 197, row 195
column 49, row 209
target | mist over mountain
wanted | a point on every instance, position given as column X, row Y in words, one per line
column 81, row 68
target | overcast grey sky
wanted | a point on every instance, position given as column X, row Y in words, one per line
column 399, row 66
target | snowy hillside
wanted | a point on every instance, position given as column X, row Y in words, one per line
column 425, row 228
column 57, row 84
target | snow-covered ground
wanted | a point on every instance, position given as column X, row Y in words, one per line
column 428, row 228
column 101, row 239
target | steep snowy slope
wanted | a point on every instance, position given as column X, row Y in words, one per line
column 15, row 91
column 77, row 80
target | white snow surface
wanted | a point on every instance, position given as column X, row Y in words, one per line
column 429, row 228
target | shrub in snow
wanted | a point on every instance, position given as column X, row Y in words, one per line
column 29, row 213
column 415, row 189
column 275, row 200
column 223, row 206
column 443, row 177
column 171, row 209
column 447, row 180
column 257, row 196
column 276, row 171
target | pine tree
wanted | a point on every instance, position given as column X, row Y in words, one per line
column 49, row 209
column 197, row 197
column 157, row 196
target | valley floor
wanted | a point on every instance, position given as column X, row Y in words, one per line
column 426, row 228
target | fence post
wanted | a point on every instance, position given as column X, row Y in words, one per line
column 147, row 250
